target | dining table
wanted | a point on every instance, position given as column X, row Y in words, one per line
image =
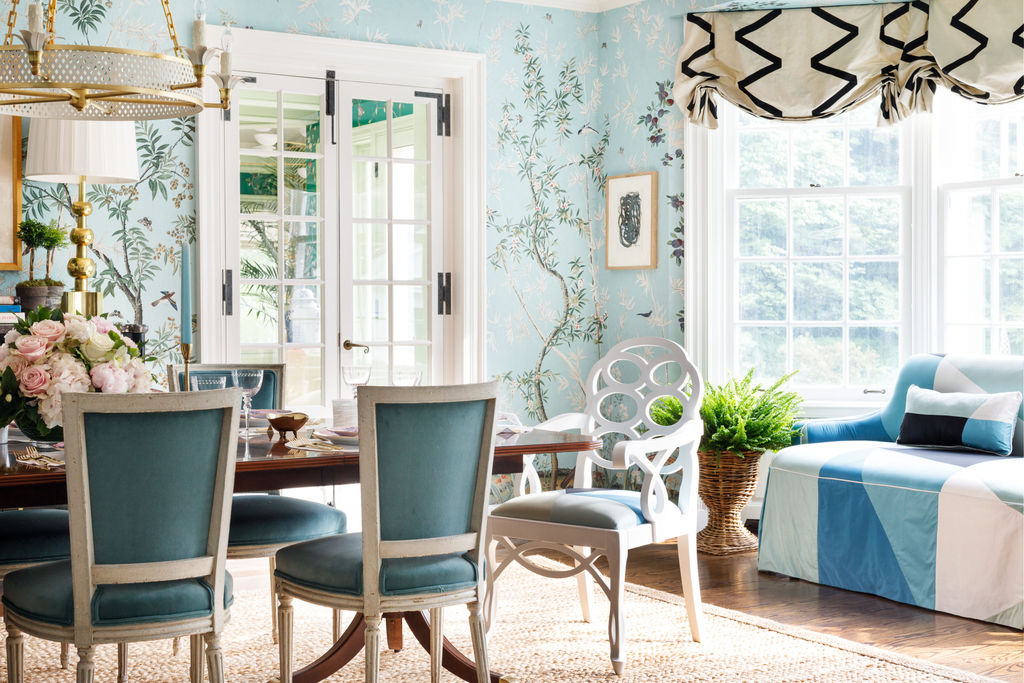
column 268, row 464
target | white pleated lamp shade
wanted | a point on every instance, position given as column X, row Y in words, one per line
column 64, row 151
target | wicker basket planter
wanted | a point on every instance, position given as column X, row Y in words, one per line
column 726, row 484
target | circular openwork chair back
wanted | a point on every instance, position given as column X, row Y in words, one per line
column 633, row 376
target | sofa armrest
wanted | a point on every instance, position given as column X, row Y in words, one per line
column 860, row 428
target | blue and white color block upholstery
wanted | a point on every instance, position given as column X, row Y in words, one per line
column 940, row 529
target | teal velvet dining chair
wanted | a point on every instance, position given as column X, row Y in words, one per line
column 424, row 476
column 158, row 572
column 263, row 524
column 30, row 537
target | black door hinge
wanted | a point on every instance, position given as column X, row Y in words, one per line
column 329, row 100
column 444, row 110
column 444, row 293
column 226, row 297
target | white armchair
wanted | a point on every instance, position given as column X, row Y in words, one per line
column 585, row 523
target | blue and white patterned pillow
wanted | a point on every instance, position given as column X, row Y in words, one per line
column 977, row 422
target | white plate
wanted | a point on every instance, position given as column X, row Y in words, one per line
column 329, row 435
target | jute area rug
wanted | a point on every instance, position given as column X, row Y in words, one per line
column 538, row 636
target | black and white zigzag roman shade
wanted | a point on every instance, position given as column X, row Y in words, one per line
column 799, row 64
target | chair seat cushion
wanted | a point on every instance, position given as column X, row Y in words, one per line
column 335, row 565
column 258, row 519
column 596, row 508
column 43, row 593
column 29, row 536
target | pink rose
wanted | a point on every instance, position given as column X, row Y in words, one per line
column 16, row 363
column 102, row 324
column 51, row 330
column 109, row 378
column 32, row 347
column 34, row 381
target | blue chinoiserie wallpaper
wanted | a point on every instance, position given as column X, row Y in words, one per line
column 572, row 97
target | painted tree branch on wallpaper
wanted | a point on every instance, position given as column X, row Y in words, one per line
column 525, row 130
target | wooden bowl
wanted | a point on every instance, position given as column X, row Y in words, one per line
column 286, row 422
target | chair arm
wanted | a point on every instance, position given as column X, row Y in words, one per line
column 566, row 422
column 627, row 452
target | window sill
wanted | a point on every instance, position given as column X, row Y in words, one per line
column 836, row 409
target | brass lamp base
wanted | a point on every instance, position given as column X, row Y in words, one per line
column 82, row 303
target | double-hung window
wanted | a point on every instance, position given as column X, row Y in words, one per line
column 835, row 248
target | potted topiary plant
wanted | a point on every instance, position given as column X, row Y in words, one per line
column 742, row 420
column 32, row 293
column 53, row 238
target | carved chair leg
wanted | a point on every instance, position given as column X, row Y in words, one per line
column 336, row 630
column 686, row 547
column 489, row 595
column 285, row 616
column 195, row 661
column 65, row 649
column 585, row 585
column 477, row 631
column 436, row 640
column 372, row 648
column 214, row 658
column 86, row 669
column 616, row 632
column 273, row 599
column 15, row 654
column 122, row 662
column 176, row 646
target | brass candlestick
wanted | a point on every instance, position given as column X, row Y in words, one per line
column 81, row 267
column 186, row 354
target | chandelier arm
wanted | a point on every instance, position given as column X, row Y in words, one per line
column 12, row 19
column 35, row 100
column 166, row 4
column 51, row 16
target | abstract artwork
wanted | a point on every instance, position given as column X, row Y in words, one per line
column 632, row 221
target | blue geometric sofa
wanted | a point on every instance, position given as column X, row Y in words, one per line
column 941, row 529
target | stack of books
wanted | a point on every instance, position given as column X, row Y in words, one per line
column 10, row 312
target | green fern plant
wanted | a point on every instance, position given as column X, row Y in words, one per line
column 741, row 416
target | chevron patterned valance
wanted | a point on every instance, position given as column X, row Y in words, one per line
column 800, row 64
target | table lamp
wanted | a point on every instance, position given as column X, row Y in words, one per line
column 76, row 151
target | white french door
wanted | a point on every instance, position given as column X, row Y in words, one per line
column 335, row 233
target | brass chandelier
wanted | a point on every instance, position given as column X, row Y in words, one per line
column 42, row 79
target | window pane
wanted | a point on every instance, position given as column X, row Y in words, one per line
column 762, row 291
column 817, row 227
column 259, row 356
column 969, row 226
column 302, row 250
column 369, row 128
column 762, row 227
column 411, row 360
column 369, row 189
column 370, row 317
column 410, row 132
column 411, row 312
column 764, row 349
column 967, row 339
column 874, row 226
column 409, row 194
column 258, row 250
column 370, row 252
column 968, row 290
column 874, row 290
column 763, row 158
column 1011, row 341
column 301, row 123
column 818, row 158
column 874, row 156
column 257, row 119
column 302, row 314
column 874, row 354
column 818, row 355
column 257, row 182
column 410, row 249
column 304, row 384
column 259, row 314
column 301, row 180
column 1011, row 220
column 817, row 291
column 1011, row 289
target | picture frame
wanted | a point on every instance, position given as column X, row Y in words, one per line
column 631, row 234
column 10, row 192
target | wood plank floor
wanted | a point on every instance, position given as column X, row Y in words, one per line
column 733, row 582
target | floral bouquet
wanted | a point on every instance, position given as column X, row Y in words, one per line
column 50, row 353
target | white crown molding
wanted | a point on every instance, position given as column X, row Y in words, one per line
column 578, row 5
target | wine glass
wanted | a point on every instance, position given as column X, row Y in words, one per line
column 405, row 377
column 249, row 381
column 355, row 375
column 207, row 382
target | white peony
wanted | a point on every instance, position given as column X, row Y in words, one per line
column 78, row 328
column 11, row 336
column 98, row 347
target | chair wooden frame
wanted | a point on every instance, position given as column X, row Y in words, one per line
column 87, row 575
column 174, row 368
column 651, row 450
column 372, row 604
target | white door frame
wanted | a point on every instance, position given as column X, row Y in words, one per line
column 460, row 73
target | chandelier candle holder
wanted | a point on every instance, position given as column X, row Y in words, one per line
column 42, row 79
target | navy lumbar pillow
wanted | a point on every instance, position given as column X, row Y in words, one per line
column 977, row 422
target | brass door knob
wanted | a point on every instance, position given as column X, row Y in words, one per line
column 348, row 345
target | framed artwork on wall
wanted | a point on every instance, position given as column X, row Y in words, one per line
column 631, row 240
column 10, row 192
